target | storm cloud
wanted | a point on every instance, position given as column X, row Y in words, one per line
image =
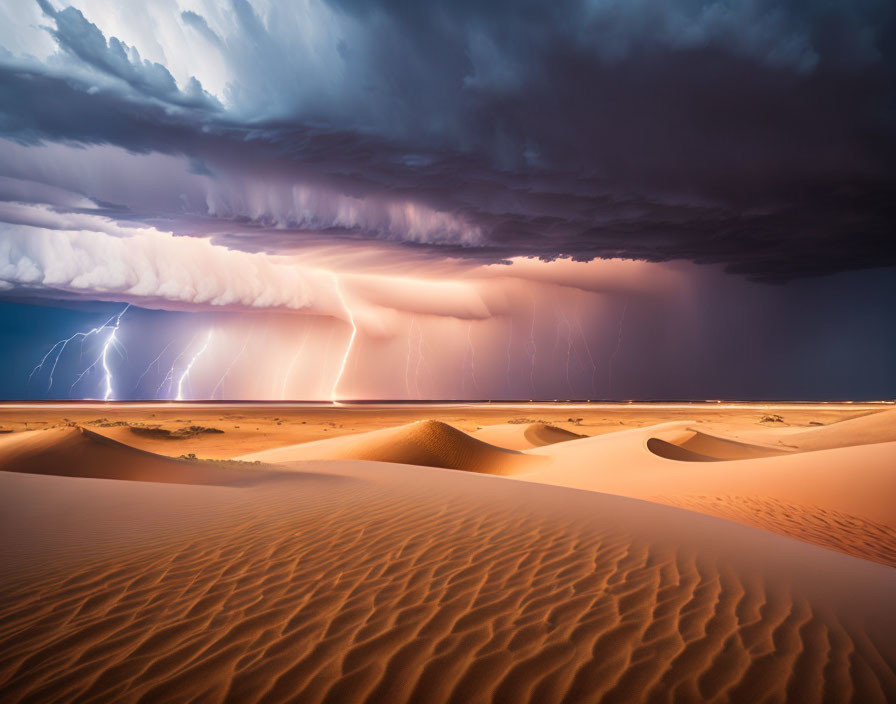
column 753, row 134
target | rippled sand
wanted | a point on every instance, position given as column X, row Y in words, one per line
column 350, row 580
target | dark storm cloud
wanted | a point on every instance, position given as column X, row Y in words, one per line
column 756, row 134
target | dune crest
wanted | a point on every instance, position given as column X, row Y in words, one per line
column 524, row 436
column 871, row 428
column 430, row 443
column 770, row 492
column 79, row 452
column 689, row 444
column 672, row 463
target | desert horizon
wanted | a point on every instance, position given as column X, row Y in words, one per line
column 447, row 552
column 446, row 352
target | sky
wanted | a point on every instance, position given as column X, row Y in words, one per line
column 352, row 199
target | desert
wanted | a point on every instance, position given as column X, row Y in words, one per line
column 447, row 352
column 448, row 553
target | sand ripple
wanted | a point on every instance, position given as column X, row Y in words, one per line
column 831, row 529
column 425, row 594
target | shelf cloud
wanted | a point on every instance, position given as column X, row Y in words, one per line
column 398, row 167
column 732, row 133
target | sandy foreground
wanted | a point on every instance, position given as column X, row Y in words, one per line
column 453, row 553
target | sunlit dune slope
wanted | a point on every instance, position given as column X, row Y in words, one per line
column 392, row 583
column 695, row 445
column 672, row 451
column 872, row 428
column 876, row 427
column 840, row 498
column 523, row 436
column 430, row 443
column 78, row 452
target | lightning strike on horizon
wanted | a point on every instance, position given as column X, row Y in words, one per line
column 564, row 322
column 62, row 344
column 616, row 351
column 590, row 357
column 169, row 376
column 532, row 349
column 106, row 368
column 186, row 372
column 230, row 366
column 154, row 362
column 568, row 335
column 351, row 340
column 111, row 342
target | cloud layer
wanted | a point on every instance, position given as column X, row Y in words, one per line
column 754, row 134
column 501, row 197
column 151, row 268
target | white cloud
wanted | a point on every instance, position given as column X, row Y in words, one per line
column 154, row 268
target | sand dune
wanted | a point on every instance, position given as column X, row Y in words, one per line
column 251, row 428
column 871, row 428
column 430, row 443
column 671, row 463
column 524, row 436
column 852, row 486
column 686, row 443
column 672, row 451
column 876, row 427
column 78, row 452
column 356, row 580
column 400, row 583
column 828, row 528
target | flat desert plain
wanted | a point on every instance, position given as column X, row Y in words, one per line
column 448, row 553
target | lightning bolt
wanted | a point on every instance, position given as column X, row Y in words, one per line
column 231, row 365
column 566, row 327
column 109, row 342
column 532, row 348
column 103, row 358
column 169, row 376
column 153, row 362
column 616, row 351
column 62, row 344
column 590, row 358
column 186, row 372
column 564, row 323
column 351, row 340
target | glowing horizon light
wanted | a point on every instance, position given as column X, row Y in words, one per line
column 186, row 372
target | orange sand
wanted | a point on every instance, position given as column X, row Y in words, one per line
column 353, row 569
